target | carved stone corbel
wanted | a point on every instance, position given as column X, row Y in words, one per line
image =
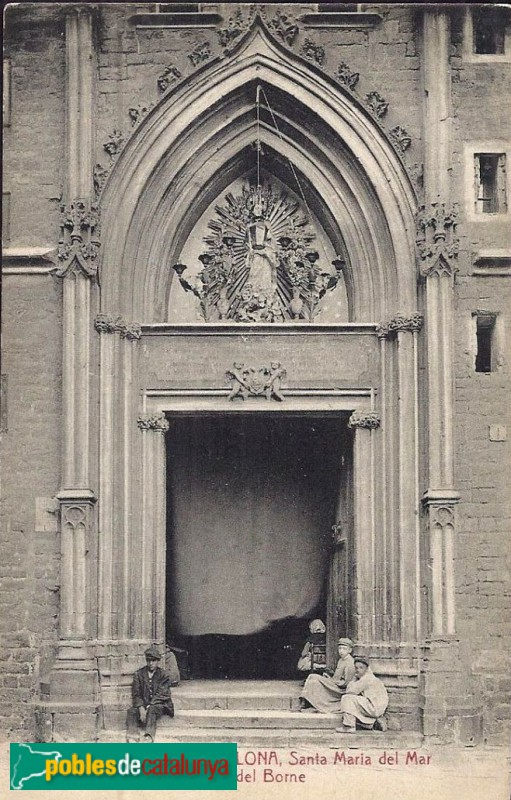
column 364, row 419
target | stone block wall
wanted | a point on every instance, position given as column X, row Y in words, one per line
column 31, row 441
column 33, row 166
column 481, row 114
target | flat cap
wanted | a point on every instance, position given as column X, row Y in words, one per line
column 152, row 652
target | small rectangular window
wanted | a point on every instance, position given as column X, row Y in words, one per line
column 490, row 183
column 489, row 25
column 485, row 327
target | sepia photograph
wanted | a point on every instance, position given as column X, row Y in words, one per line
column 255, row 380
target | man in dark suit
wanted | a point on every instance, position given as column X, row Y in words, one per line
column 151, row 698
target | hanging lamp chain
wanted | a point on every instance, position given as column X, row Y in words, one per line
column 259, row 91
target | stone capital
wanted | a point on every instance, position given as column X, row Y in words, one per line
column 364, row 419
column 412, row 323
column 153, row 422
column 107, row 323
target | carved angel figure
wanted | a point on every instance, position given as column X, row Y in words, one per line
column 237, row 375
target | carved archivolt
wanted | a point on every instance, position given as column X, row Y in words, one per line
column 364, row 419
column 437, row 241
column 105, row 323
column 153, row 422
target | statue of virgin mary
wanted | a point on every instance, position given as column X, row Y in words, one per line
column 262, row 254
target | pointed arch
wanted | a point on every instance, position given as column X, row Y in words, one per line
column 191, row 146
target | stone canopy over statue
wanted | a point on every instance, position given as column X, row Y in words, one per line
column 260, row 264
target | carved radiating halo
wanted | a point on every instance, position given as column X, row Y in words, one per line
column 291, row 233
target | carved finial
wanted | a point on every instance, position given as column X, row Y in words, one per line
column 437, row 240
column 283, row 27
column 79, row 238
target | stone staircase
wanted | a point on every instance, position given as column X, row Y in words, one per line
column 255, row 714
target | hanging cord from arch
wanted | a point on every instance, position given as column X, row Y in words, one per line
column 259, row 91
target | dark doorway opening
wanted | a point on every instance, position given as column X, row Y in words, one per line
column 251, row 500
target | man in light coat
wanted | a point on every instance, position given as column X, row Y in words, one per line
column 366, row 700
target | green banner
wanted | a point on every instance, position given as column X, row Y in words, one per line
column 123, row 766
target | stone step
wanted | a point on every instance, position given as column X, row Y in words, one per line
column 251, row 718
column 273, row 737
column 188, row 701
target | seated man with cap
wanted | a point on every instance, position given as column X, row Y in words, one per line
column 366, row 700
column 151, row 697
column 324, row 692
